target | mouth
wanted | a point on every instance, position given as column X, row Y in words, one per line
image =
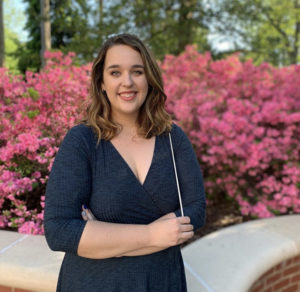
column 128, row 96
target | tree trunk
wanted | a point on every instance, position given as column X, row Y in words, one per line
column 185, row 24
column 295, row 53
column 2, row 41
column 45, row 29
column 101, row 13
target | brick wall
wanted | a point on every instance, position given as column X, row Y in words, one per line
column 10, row 289
column 285, row 277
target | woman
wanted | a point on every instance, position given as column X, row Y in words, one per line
column 119, row 163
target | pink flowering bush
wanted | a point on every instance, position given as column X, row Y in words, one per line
column 35, row 114
column 243, row 120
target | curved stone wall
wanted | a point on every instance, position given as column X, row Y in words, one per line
column 260, row 254
column 257, row 256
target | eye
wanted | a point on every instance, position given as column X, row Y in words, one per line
column 114, row 73
column 138, row 72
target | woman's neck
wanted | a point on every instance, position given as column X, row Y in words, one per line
column 129, row 125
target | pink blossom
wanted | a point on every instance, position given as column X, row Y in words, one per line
column 242, row 119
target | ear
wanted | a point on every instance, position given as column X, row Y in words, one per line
column 102, row 87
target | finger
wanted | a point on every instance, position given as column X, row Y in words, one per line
column 84, row 216
column 88, row 213
column 184, row 220
column 90, row 216
column 171, row 215
column 187, row 235
column 187, row 227
column 167, row 216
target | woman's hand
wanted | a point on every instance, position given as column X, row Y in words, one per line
column 170, row 230
column 87, row 214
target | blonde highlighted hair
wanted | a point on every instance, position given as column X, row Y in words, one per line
column 152, row 120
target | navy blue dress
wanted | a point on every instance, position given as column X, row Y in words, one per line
column 98, row 176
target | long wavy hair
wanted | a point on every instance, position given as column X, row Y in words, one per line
column 152, row 119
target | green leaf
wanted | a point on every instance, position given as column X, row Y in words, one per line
column 6, row 213
column 32, row 114
column 275, row 212
column 35, row 185
column 33, row 93
column 7, row 101
column 13, row 224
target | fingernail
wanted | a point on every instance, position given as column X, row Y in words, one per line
column 83, row 213
column 85, row 206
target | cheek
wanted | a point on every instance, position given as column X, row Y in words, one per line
column 110, row 86
column 144, row 84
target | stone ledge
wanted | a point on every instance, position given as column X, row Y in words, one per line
column 27, row 262
column 233, row 258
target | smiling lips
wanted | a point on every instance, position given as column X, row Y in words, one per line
column 128, row 95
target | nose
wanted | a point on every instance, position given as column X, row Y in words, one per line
column 127, row 80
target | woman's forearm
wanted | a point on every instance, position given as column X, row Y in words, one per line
column 101, row 240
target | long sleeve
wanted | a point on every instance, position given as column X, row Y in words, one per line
column 190, row 179
column 69, row 187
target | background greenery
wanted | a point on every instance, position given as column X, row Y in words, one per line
column 267, row 30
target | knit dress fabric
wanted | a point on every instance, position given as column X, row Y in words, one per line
column 98, row 176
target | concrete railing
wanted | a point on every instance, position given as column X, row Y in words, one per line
column 261, row 255
column 27, row 262
column 249, row 257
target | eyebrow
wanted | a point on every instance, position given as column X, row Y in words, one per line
column 118, row 66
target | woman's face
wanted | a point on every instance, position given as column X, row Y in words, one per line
column 124, row 81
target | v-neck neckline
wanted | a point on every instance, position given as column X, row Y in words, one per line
column 129, row 168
